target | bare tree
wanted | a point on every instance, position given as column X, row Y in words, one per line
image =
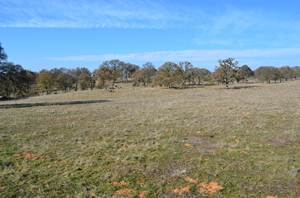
column 226, row 70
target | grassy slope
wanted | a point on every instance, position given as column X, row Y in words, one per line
column 248, row 140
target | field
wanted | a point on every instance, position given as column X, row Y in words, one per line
column 153, row 142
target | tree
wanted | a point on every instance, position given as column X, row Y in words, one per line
column 187, row 67
column 200, row 74
column 115, row 66
column 244, row 72
column 226, row 70
column 286, row 73
column 170, row 75
column 15, row 81
column 267, row 73
column 114, row 70
column 144, row 75
column 276, row 75
column 3, row 56
column 45, row 81
column 150, row 72
column 63, row 78
column 296, row 72
column 85, row 79
column 127, row 70
column 102, row 75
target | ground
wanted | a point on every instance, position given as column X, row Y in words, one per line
column 152, row 142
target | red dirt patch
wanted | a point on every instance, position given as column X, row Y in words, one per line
column 123, row 192
column 211, row 187
column 143, row 194
column 119, row 184
column 191, row 180
column 29, row 156
column 180, row 191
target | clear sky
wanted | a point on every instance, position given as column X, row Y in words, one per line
column 67, row 33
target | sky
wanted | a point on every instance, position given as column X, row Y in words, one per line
column 45, row 34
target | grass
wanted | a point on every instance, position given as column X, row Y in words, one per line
column 150, row 140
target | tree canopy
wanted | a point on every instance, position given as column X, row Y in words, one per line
column 170, row 75
column 15, row 81
column 3, row 55
column 226, row 71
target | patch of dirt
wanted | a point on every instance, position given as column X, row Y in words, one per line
column 293, row 185
column 181, row 190
column 282, row 141
column 211, row 187
column 191, row 180
column 119, row 184
column 123, row 192
column 204, row 145
column 143, row 194
column 169, row 172
column 29, row 156
column 176, row 172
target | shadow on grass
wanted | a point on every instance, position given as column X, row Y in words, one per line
column 41, row 104
column 244, row 87
column 240, row 87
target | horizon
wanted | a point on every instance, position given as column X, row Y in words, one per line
column 81, row 33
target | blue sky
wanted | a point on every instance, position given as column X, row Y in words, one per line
column 69, row 33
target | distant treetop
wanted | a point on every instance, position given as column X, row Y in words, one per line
column 3, row 56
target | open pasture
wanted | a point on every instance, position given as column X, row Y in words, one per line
column 152, row 142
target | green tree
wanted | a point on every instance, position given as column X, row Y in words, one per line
column 245, row 72
column 64, row 80
column 15, row 81
column 267, row 74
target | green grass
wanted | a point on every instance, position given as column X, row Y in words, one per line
column 247, row 140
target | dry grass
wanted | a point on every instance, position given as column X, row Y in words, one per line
column 245, row 140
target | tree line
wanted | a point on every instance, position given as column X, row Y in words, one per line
column 15, row 81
